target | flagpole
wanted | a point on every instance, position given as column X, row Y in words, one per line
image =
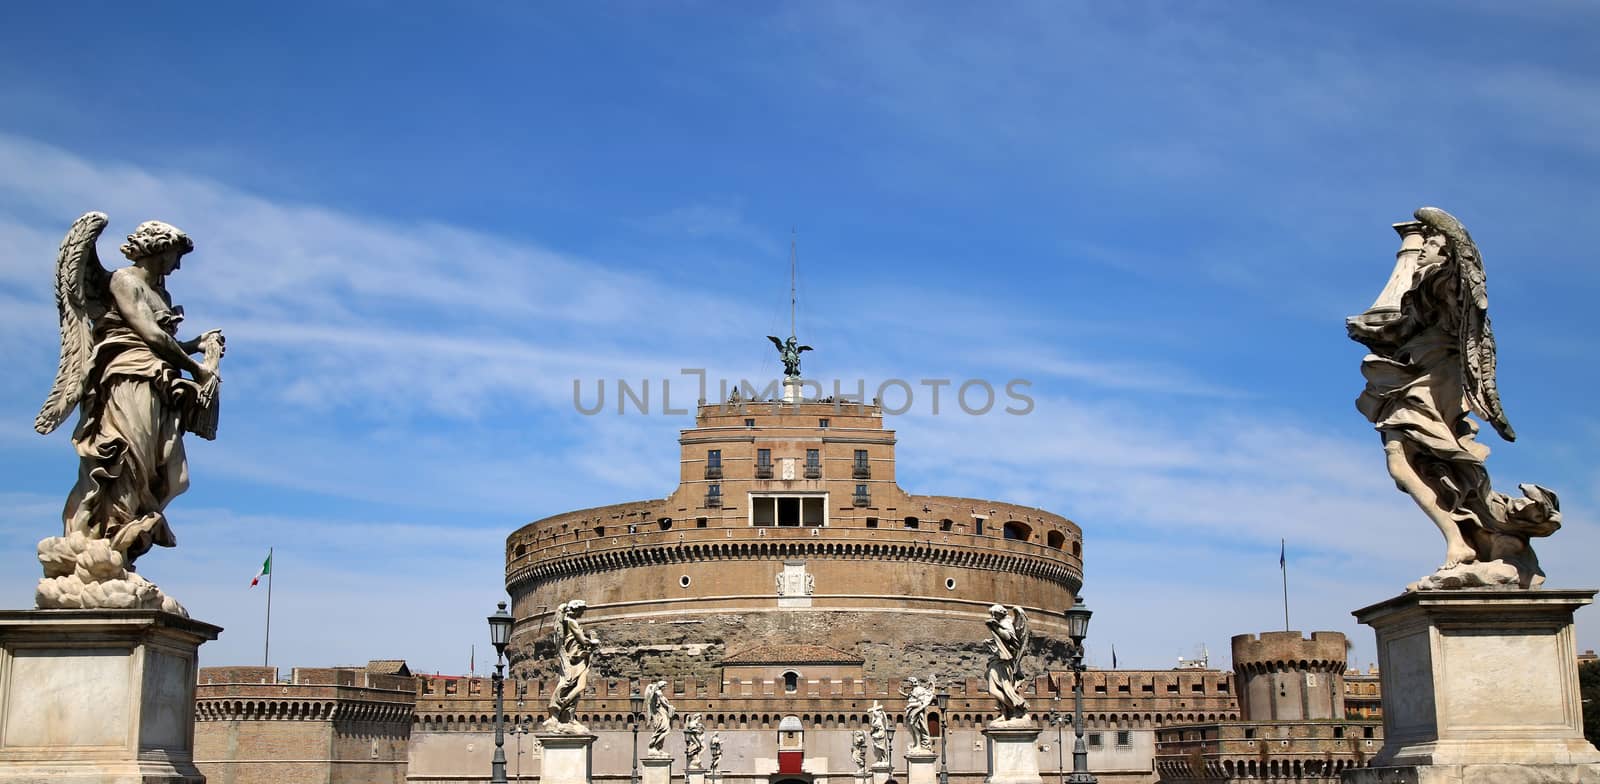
column 266, row 647
column 1283, row 566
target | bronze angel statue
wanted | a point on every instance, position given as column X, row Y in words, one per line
column 790, row 351
column 1009, row 636
column 1432, row 364
column 137, row 389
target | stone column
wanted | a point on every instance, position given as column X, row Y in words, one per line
column 568, row 757
column 694, row 776
column 922, row 766
column 657, row 770
column 1479, row 685
column 98, row 696
column 1013, row 755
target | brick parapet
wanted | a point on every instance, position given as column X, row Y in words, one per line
column 1286, row 651
column 1314, row 751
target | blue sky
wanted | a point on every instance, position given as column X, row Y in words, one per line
column 418, row 226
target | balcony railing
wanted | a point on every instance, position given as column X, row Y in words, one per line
column 763, row 470
column 713, row 472
column 861, row 499
column 813, row 471
column 861, row 471
column 714, row 501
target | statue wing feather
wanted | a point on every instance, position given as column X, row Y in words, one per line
column 1478, row 360
column 1019, row 622
column 82, row 296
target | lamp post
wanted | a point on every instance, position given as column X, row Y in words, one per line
column 891, row 722
column 1061, row 765
column 943, row 700
column 499, row 634
column 1077, row 629
column 517, row 732
column 635, row 710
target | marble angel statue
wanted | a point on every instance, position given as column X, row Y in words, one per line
column 575, row 649
column 660, row 713
column 878, row 722
column 858, row 751
column 919, row 696
column 137, row 389
column 715, row 747
column 1009, row 636
column 1432, row 364
column 694, row 733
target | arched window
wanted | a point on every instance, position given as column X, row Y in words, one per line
column 1018, row 531
column 1077, row 549
column 933, row 724
column 1056, row 539
column 791, row 681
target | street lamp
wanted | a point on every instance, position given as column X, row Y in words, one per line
column 943, row 700
column 1061, row 766
column 635, row 710
column 499, row 634
column 892, row 722
column 1077, row 629
column 517, row 732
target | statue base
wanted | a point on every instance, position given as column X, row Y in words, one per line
column 568, row 757
column 98, row 696
column 694, row 776
column 1479, row 686
column 1013, row 754
column 922, row 766
column 881, row 772
column 656, row 770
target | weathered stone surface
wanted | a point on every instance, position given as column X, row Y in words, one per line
column 1013, row 758
column 568, row 757
column 1480, row 685
column 98, row 696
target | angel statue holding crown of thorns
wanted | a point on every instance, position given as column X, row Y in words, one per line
column 138, row 389
column 1432, row 364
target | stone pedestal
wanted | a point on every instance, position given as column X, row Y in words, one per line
column 694, row 776
column 568, row 757
column 657, row 770
column 922, row 767
column 881, row 771
column 1479, row 685
column 98, row 696
column 1013, row 755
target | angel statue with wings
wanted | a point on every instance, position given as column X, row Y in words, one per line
column 789, row 350
column 1009, row 636
column 660, row 713
column 694, row 733
column 575, row 650
column 919, row 696
column 1432, row 364
column 124, row 369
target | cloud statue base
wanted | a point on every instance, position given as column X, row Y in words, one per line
column 1479, row 684
column 98, row 696
column 81, row 573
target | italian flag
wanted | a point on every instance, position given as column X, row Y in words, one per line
column 266, row 569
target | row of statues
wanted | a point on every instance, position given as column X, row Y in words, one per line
column 1007, row 642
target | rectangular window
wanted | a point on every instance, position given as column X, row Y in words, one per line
column 813, row 458
column 861, row 489
column 788, row 510
column 1198, row 688
column 872, row 522
column 1124, row 738
column 714, row 490
column 822, row 423
column 861, row 457
column 749, row 423
column 699, row 522
column 1094, row 740
column 714, row 458
column 764, row 457
column 1122, row 688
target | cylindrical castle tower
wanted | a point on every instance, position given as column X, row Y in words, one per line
column 1286, row 676
column 788, row 528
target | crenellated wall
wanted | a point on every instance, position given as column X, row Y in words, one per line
column 1290, row 677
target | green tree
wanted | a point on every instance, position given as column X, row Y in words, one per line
column 1589, row 690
